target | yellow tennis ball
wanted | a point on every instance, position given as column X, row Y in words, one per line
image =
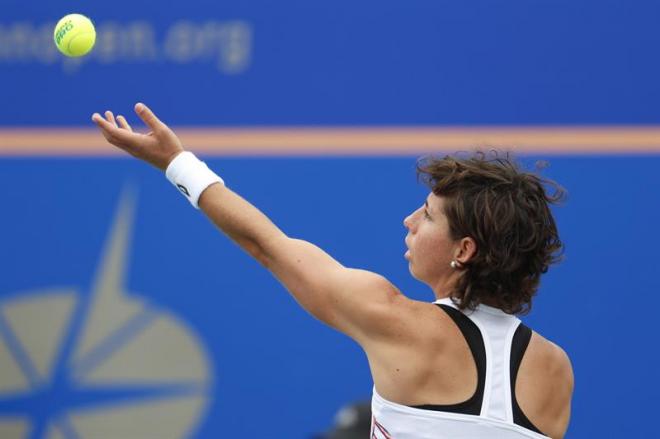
column 74, row 35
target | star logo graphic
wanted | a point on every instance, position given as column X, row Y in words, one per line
column 106, row 364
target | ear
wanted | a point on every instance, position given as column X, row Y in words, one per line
column 467, row 248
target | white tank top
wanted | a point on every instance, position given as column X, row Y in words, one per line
column 396, row 421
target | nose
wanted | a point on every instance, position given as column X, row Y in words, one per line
column 408, row 221
column 412, row 220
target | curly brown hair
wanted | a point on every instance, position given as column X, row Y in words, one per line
column 489, row 198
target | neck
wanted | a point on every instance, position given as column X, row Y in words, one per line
column 444, row 287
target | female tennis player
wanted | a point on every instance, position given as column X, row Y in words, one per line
column 463, row 366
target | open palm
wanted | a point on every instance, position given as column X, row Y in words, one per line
column 158, row 147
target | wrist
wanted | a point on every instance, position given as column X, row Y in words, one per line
column 190, row 176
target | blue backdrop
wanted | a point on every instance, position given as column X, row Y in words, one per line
column 341, row 62
column 275, row 372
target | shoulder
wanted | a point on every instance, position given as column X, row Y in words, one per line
column 386, row 314
column 370, row 306
column 553, row 360
column 544, row 387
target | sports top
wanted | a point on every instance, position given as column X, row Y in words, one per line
column 498, row 342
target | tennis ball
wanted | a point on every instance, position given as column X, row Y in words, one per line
column 74, row 35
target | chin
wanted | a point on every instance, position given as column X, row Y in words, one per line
column 412, row 271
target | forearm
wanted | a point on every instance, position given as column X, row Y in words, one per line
column 242, row 222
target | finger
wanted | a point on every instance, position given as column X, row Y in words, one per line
column 107, row 128
column 102, row 123
column 113, row 134
column 124, row 123
column 148, row 116
column 110, row 117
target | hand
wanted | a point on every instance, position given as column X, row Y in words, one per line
column 158, row 147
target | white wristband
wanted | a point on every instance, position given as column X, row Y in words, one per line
column 191, row 176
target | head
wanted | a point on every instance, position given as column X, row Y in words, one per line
column 485, row 233
column 353, row 421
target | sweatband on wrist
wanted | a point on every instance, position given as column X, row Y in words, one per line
column 191, row 176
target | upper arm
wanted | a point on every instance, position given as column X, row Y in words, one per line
column 544, row 386
column 564, row 372
column 359, row 303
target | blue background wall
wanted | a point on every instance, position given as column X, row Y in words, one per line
column 368, row 62
column 341, row 63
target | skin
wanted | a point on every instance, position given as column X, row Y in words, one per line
column 416, row 353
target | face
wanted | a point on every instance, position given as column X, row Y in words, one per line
column 430, row 248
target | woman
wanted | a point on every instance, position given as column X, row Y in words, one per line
column 461, row 367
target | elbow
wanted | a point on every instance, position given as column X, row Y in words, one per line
column 266, row 250
column 258, row 253
column 254, row 250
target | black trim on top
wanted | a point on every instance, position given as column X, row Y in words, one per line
column 475, row 341
column 518, row 347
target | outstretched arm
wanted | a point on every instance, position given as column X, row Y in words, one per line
column 346, row 299
column 357, row 302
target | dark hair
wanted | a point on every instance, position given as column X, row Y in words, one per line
column 506, row 211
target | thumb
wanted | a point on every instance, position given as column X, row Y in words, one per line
column 147, row 116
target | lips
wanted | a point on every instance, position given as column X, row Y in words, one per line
column 407, row 254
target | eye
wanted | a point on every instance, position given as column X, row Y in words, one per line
column 426, row 214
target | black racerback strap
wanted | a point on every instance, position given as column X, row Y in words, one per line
column 519, row 345
column 475, row 341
